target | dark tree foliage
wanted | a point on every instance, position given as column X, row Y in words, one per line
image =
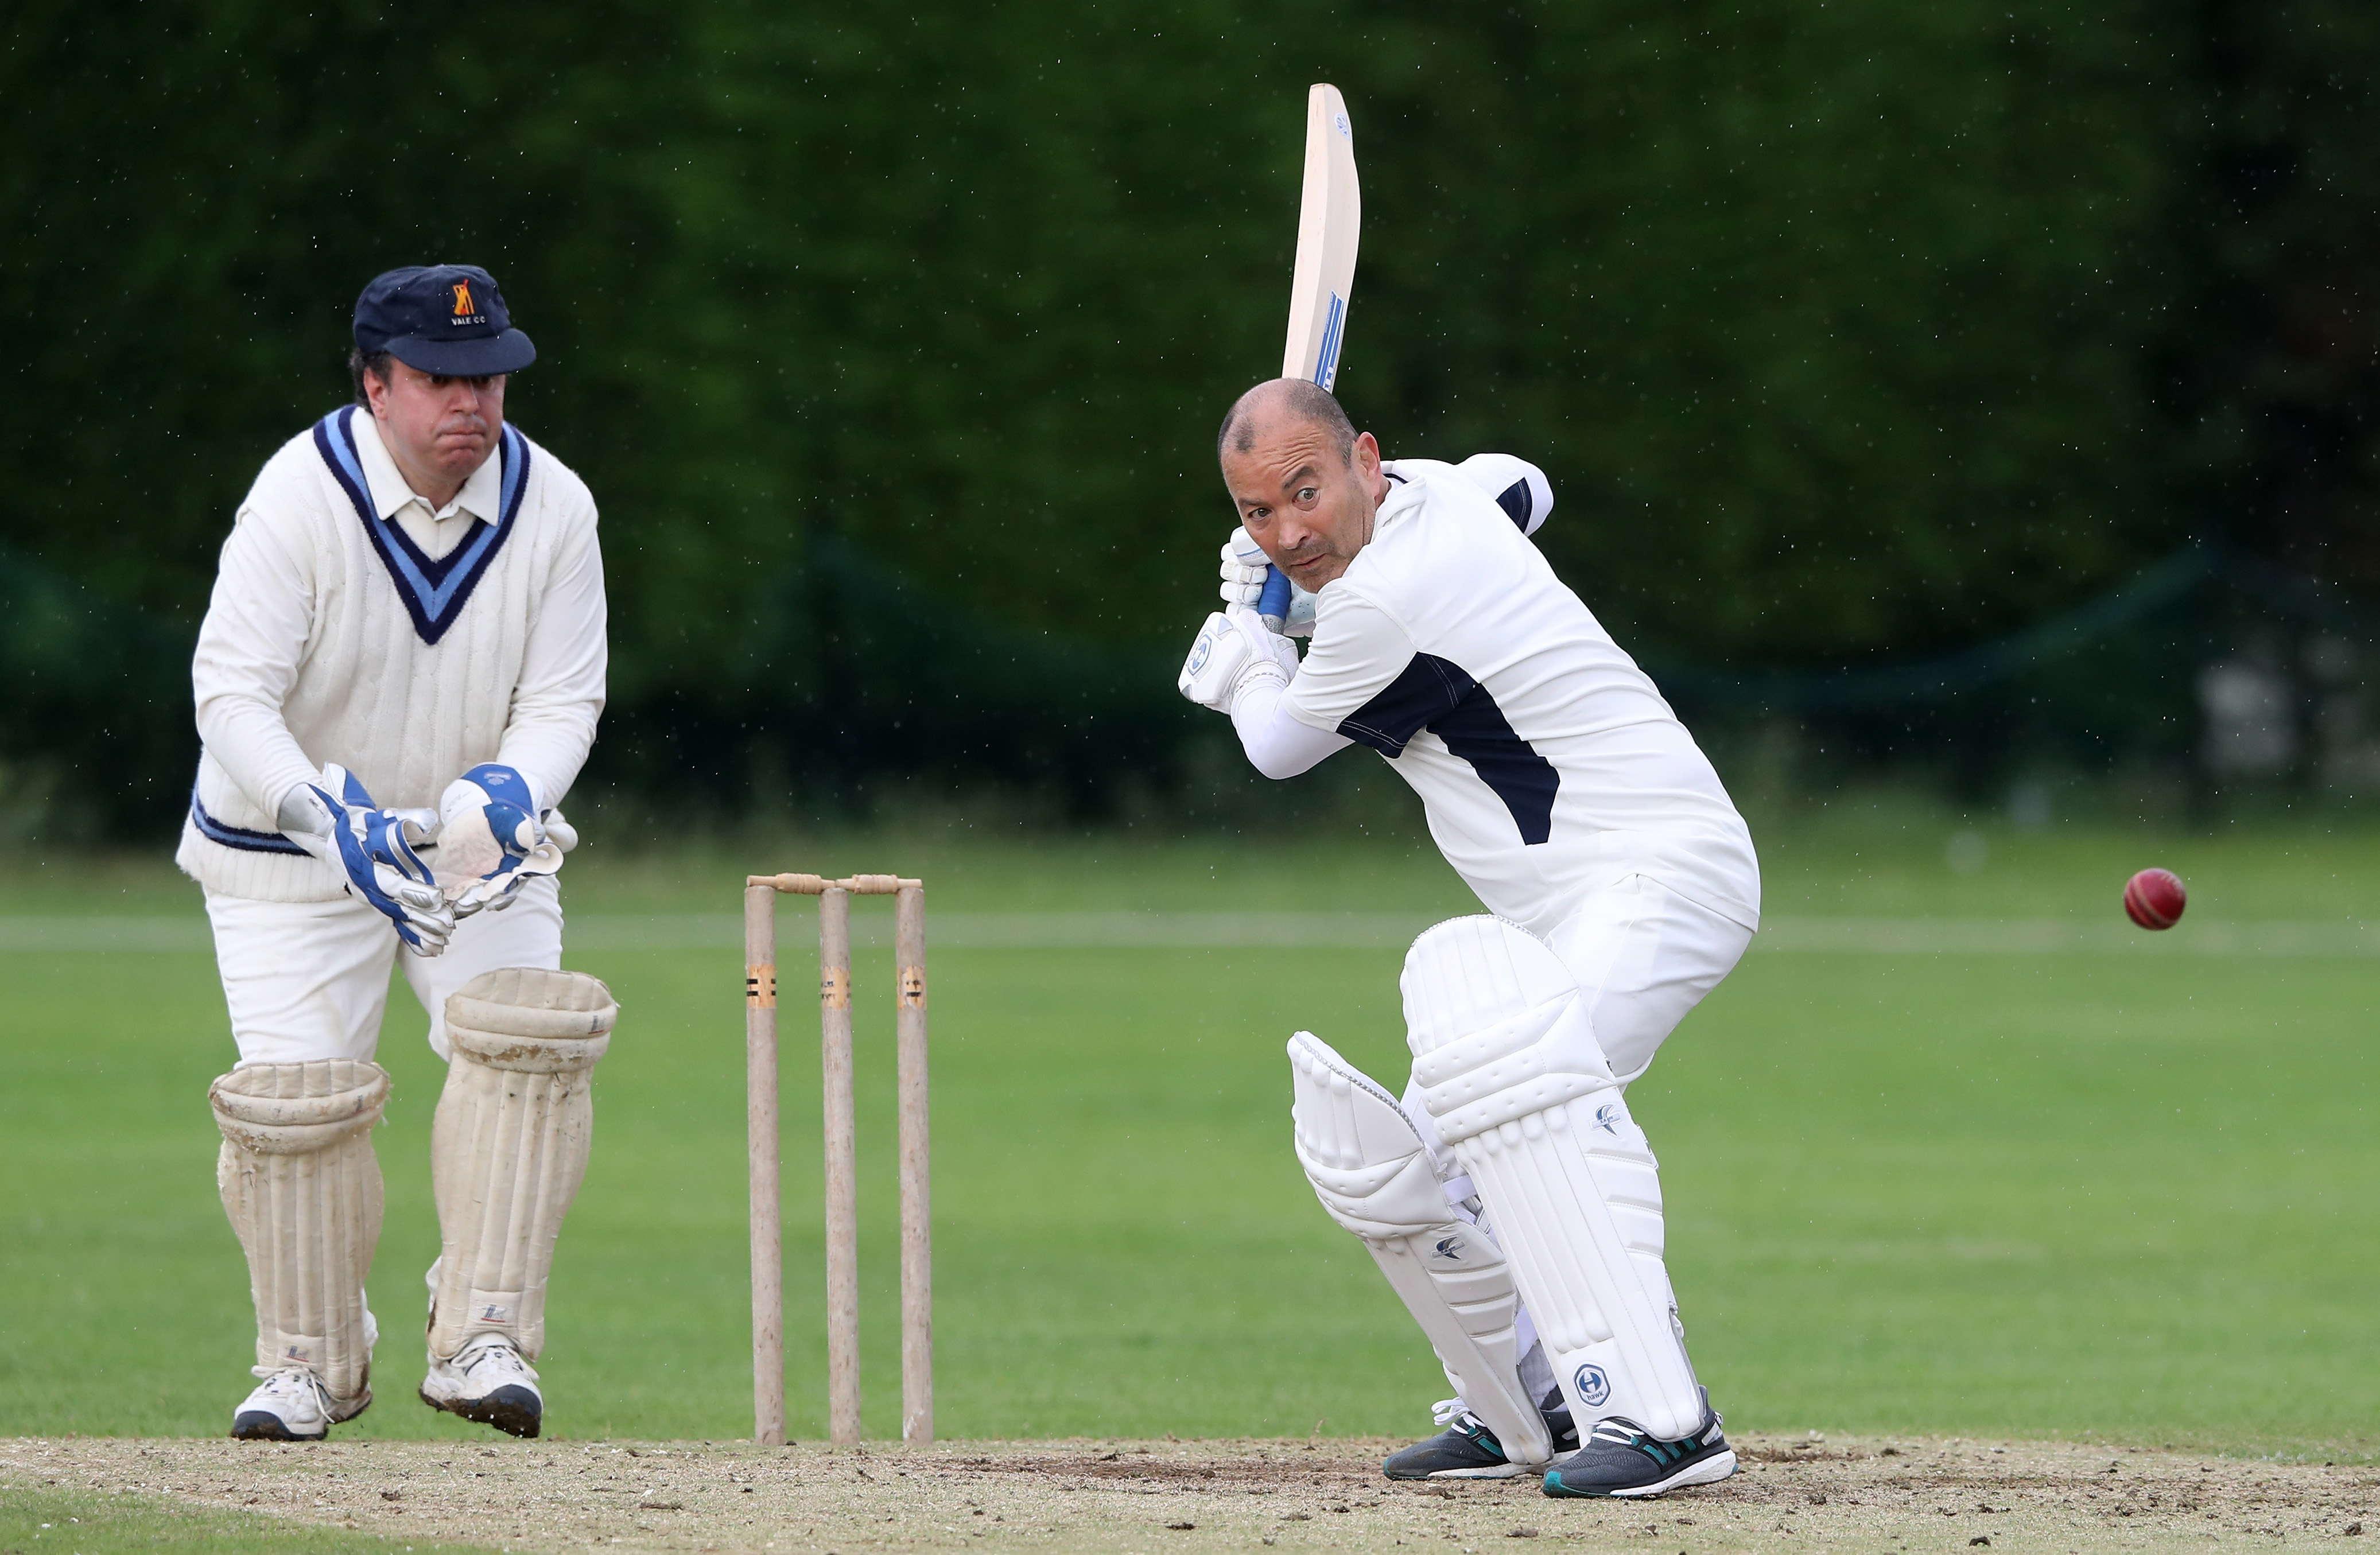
column 2280, row 380
column 892, row 340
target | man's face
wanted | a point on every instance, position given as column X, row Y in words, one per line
column 438, row 430
column 1309, row 508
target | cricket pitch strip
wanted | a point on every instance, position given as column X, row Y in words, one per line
column 1884, row 1494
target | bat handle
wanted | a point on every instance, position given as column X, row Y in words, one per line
column 1272, row 605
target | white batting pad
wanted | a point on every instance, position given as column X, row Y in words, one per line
column 303, row 1188
column 508, row 1146
column 1505, row 1055
column 1371, row 1172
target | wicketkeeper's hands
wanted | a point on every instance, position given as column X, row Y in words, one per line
column 492, row 839
column 1233, row 653
column 372, row 849
column 1244, row 569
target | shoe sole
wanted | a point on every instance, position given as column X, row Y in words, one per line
column 512, row 1410
column 1710, row 1471
column 1498, row 1471
column 263, row 1425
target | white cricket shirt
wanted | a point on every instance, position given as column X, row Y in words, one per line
column 1546, row 762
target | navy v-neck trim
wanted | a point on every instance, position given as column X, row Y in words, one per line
column 434, row 591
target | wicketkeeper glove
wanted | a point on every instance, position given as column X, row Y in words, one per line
column 492, row 839
column 1233, row 653
column 373, row 850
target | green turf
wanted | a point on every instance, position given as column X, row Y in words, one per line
column 1955, row 1194
column 42, row 1519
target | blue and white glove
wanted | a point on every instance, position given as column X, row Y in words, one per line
column 1233, row 653
column 491, row 839
column 1245, row 568
column 373, row 850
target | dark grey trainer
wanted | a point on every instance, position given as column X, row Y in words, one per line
column 1554, row 1410
column 1619, row 1458
column 1468, row 1449
column 1465, row 1450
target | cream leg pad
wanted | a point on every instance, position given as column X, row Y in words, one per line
column 1369, row 1167
column 302, row 1187
column 1505, row 1052
column 509, row 1144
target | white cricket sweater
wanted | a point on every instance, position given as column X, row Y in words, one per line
column 332, row 636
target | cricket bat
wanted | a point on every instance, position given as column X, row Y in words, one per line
column 1329, row 219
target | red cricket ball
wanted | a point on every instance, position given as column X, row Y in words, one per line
column 2153, row 898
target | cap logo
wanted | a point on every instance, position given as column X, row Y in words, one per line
column 463, row 300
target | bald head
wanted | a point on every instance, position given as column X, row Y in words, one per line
column 1306, row 483
column 1278, row 401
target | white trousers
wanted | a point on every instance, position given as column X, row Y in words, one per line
column 1645, row 956
column 309, row 981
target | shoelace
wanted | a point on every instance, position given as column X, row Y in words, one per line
column 1448, row 1411
column 1622, row 1434
column 295, row 1382
column 468, row 1361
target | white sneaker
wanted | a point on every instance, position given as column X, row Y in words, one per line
column 487, row 1382
column 291, row 1405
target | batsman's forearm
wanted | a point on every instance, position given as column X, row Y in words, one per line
column 1276, row 745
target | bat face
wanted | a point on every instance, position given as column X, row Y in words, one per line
column 1329, row 219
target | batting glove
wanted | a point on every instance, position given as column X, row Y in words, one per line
column 1245, row 568
column 492, row 839
column 373, row 850
column 1233, row 653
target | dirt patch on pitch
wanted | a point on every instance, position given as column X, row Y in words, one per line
column 1886, row 1495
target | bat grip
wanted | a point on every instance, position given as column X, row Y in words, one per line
column 1272, row 605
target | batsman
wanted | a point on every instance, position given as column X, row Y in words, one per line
column 398, row 680
column 1509, row 1196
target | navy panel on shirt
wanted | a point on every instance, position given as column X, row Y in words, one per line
column 1427, row 688
column 1441, row 695
column 1516, row 502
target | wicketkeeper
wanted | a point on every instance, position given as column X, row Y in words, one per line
column 1509, row 1198
column 398, row 680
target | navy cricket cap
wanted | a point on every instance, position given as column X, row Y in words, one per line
column 447, row 319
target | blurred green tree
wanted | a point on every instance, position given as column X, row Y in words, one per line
column 2277, row 382
column 1842, row 330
